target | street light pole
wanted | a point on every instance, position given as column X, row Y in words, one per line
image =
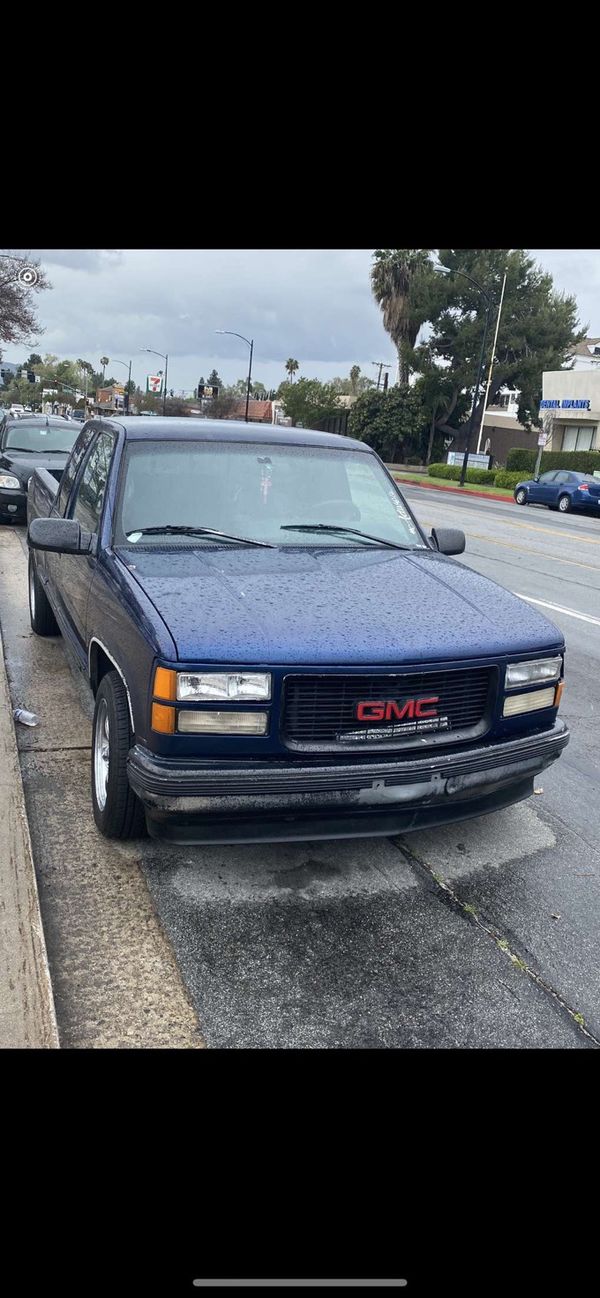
column 249, row 343
column 115, row 362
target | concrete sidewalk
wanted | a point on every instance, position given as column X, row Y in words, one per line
column 27, row 1014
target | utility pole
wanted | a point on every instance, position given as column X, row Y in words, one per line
column 492, row 358
column 382, row 366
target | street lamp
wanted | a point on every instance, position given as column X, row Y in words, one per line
column 249, row 343
column 166, row 360
column 114, row 362
column 445, row 270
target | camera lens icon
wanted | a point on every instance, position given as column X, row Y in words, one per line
column 29, row 276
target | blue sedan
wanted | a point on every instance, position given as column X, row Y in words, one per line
column 561, row 489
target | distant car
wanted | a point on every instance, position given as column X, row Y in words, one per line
column 561, row 489
column 81, row 415
column 28, row 443
column 16, row 409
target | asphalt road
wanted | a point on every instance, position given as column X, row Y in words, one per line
column 482, row 934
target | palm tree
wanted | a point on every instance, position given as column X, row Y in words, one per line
column 396, row 275
column 291, row 366
column 354, row 377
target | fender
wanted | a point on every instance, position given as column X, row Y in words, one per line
column 95, row 640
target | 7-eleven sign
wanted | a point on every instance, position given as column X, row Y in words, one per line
column 154, row 383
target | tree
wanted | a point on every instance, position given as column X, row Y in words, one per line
column 402, row 280
column 538, row 331
column 214, row 381
column 291, row 366
column 354, row 378
column 18, row 321
column 308, row 402
column 392, row 422
column 32, row 360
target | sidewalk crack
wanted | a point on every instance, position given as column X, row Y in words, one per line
column 470, row 914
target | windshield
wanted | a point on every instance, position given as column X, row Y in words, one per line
column 255, row 491
column 39, row 437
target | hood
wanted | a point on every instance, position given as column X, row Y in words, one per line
column 22, row 464
column 332, row 606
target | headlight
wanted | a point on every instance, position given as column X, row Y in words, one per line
column 222, row 723
column 542, row 669
column 532, row 702
column 224, row 686
column 9, row 480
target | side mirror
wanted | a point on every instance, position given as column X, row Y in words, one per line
column 448, row 540
column 60, row 535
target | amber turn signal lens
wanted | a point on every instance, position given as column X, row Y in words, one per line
column 165, row 683
column 163, row 719
column 559, row 693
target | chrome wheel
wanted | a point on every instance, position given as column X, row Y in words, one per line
column 101, row 755
column 564, row 504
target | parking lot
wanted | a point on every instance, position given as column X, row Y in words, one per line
column 476, row 935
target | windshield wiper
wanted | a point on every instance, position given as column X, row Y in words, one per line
column 352, row 531
column 171, row 529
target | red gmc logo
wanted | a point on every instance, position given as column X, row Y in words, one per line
column 389, row 710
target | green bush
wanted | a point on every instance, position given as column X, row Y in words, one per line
column 477, row 477
column 506, row 479
column 520, row 460
column 482, row 477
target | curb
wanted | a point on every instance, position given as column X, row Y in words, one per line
column 27, row 1013
column 456, row 491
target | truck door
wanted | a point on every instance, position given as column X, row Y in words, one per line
column 86, row 504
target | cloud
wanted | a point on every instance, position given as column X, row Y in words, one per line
column 313, row 304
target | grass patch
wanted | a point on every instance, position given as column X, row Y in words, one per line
column 443, row 482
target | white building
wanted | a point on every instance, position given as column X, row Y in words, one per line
column 571, row 408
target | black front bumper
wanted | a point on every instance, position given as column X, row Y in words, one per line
column 13, row 504
column 204, row 802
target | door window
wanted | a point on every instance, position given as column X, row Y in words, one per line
column 73, row 466
column 89, row 497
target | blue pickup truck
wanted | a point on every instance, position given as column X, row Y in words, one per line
column 276, row 648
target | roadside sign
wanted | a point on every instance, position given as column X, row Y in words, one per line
column 207, row 390
column 475, row 461
column 542, row 439
column 154, row 383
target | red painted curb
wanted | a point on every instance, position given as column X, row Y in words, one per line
column 457, row 491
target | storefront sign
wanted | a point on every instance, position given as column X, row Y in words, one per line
column 567, row 403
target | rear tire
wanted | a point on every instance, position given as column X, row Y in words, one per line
column 564, row 504
column 521, row 496
column 43, row 621
column 117, row 811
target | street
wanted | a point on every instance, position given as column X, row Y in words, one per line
column 482, row 934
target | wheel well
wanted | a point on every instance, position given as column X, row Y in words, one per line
column 100, row 664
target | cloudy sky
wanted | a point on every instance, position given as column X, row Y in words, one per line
column 314, row 305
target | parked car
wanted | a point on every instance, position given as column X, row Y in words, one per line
column 81, row 415
column 276, row 648
column 561, row 489
column 26, row 443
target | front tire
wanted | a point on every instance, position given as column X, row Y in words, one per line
column 564, row 504
column 521, row 496
column 42, row 619
column 117, row 811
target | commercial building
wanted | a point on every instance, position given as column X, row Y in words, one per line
column 570, row 409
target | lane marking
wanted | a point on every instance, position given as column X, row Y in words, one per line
column 534, row 527
column 537, row 554
column 558, row 608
